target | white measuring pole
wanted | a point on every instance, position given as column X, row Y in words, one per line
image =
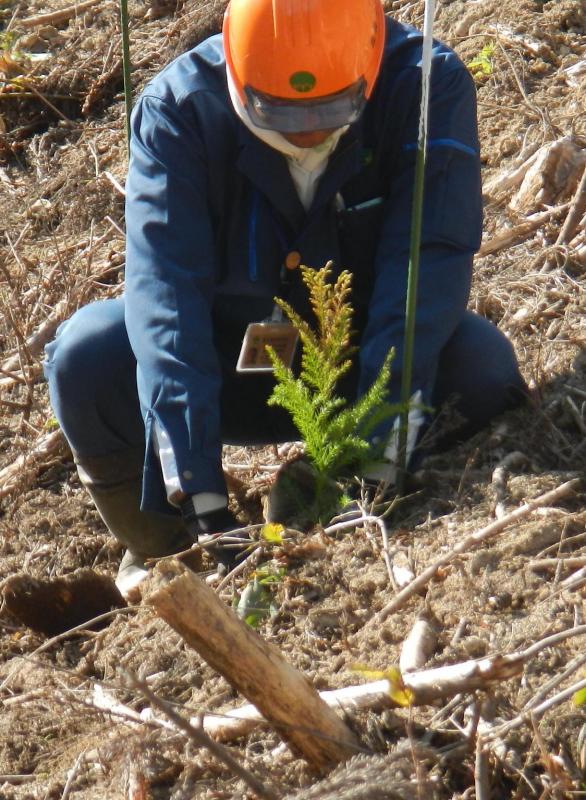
column 415, row 241
column 426, row 71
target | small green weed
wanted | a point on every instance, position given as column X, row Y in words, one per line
column 482, row 67
column 256, row 601
column 7, row 38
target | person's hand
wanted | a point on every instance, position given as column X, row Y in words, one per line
column 204, row 527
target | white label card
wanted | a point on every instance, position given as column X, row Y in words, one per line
column 281, row 336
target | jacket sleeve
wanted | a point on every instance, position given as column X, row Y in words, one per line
column 451, row 232
column 170, row 268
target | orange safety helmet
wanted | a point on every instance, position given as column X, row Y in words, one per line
column 303, row 65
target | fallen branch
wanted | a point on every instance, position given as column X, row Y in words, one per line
column 58, row 17
column 470, row 542
column 532, row 46
column 552, row 178
column 537, row 711
column 26, row 467
column 519, row 233
column 426, row 686
column 254, row 667
column 575, row 214
column 511, row 179
column 555, row 563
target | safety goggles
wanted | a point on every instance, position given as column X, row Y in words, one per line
column 304, row 115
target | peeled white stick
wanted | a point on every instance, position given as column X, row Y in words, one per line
column 426, row 687
column 419, row 645
column 575, row 581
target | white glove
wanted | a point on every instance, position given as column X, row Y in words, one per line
column 385, row 472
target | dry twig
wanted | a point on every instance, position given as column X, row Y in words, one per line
column 556, row 563
column 26, row 467
column 575, row 214
column 469, row 543
column 518, row 233
column 201, row 739
column 63, row 15
column 537, row 711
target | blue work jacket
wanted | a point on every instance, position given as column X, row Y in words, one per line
column 211, row 212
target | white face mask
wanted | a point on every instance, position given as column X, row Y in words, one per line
column 306, row 164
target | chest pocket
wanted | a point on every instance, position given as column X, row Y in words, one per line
column 359, row 229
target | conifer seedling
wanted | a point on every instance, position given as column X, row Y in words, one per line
column 335, row 432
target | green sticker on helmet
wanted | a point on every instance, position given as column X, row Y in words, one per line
column 302, row 81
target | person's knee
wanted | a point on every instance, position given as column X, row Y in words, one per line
column 479, row 369
column 498, row 377
column 70, row 356
column 84, row 350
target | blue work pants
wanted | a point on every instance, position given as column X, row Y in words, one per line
column 91, row 372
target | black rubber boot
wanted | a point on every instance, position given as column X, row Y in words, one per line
column 116, row 493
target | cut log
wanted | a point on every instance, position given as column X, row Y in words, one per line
column 552, row 178
column 254, row 667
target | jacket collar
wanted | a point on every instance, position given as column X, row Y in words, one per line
column 267, row 169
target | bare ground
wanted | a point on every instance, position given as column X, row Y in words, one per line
column 62, row 154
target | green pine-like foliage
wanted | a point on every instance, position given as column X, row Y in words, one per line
column 334, row 432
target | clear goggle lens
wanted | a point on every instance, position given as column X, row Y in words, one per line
column 304, row 115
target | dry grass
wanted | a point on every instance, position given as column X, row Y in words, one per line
column 62, row 245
